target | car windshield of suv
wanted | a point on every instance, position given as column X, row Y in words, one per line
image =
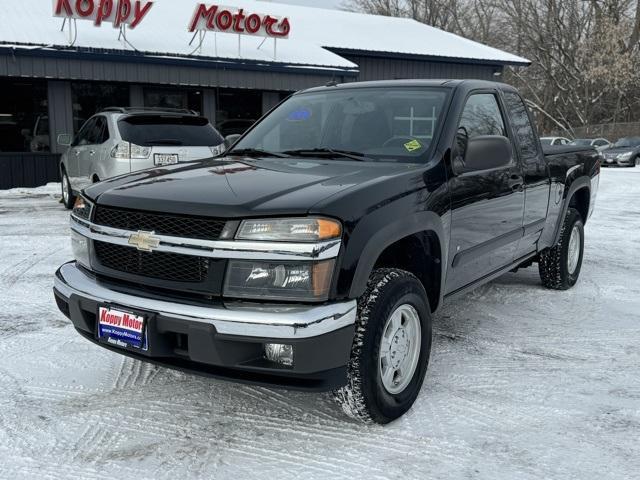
column 160, row 130
column 627, row 142
column 581, row 141
column 384, row 124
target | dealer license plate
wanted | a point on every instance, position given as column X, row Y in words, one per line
column 121, row 328
column 162, row 159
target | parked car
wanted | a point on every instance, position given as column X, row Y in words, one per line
column 599, row 144
column 624, row 153
column 554, row 141
column 123, row 140
column 314, row 252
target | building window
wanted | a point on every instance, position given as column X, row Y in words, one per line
column 173, row 98
column 24, row 121
column 89, row 98
column 237, row 110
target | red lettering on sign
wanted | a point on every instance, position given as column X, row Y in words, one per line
column 122, row 12
column 104, row 10
column 139, row 13
column 237, row 21
column 202, row 12
column 63, row 4
column 87, row 11
column 224, row 20
column 253, row 23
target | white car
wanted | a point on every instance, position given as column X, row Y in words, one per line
column 554, row 141
column 600, row 144
column 117, row 140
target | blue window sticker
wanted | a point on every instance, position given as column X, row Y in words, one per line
column 299, row 115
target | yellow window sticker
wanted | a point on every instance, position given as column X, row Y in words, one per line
column 413, row 145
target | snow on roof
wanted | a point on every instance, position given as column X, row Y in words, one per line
column 164, row 32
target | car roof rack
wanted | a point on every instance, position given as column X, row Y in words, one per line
column 183, row 111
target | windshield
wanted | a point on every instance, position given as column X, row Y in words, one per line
column 386, row 124
column 157, row 130
column 627, row 142
column 581, row 141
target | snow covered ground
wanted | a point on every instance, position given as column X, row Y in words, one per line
column 524, row 383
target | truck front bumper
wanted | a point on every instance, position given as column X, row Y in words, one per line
column 222, row 340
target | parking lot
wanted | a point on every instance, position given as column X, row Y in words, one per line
column 524, row 383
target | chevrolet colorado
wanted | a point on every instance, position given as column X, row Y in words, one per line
column 314, row 253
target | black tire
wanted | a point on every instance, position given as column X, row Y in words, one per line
column 365, row 398
column 69, row 199
column 553, row 263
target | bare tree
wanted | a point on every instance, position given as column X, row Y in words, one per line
column 584, row 53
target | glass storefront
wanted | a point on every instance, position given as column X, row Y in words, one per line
column 24, row 121
column 173, row 98
column 91, row 97
column 237, row 109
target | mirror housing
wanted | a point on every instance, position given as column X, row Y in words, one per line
column 231, row 139
column 485, row 152
column 64, row 139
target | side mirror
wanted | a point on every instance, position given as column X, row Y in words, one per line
column 486, row 152
column 64, row 139
column 231, row 139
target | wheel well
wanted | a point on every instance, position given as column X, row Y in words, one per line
column 95, row 178
column 580, row 201
column 419, row 254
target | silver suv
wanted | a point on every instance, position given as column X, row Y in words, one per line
column 122, row 140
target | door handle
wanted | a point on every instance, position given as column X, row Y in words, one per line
column 77, row 152
column 516, row 183
column 92, row 152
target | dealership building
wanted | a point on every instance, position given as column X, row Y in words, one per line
column 61, row 61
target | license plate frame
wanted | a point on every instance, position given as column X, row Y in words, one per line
column 130, row 334
column 164, row 159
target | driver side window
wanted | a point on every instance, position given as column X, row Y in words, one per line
column 481, row 116
column 82, row 138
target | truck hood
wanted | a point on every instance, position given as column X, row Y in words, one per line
column 235, row 187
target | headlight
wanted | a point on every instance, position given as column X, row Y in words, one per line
column 80, row 248
column 625, row 156
column 299, row 281
column 82, row 208
column 289, row 229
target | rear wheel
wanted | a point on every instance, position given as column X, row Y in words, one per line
column 560, row 266
column 391, row 348
column 68, row 198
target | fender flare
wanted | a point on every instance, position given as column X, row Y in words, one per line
column 578, row 183
column 387, row 234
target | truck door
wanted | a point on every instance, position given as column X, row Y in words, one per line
column 536, row 176
column 487, row 206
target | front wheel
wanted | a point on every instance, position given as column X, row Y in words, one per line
column 391, row 348
column 559, row 266
column 68, row 198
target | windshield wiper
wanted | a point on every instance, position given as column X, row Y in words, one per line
column 250, row 152
column 359, row 156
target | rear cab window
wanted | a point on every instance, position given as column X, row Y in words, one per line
column 169, row 130
column 522, row 126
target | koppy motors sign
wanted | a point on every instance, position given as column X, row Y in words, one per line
column 218, row 18
column 118, row 12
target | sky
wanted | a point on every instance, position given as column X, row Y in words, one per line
column 313, row 3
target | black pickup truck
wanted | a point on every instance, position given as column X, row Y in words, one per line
column 314, row 253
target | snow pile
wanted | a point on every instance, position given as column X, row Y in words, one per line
column 523, row 383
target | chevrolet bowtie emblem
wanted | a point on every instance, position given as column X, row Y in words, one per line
column 144, row 241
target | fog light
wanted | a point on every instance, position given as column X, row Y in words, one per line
column 279, row 353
